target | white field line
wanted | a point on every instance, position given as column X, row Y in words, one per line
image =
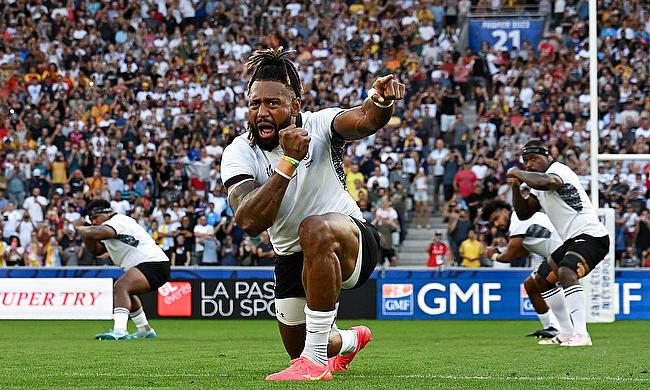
column 380, row 376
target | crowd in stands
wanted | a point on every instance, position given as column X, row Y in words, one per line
column 134, row 102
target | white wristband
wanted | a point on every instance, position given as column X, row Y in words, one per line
column 279, row 172
column 373, row 91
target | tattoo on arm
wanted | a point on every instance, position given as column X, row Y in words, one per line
column 541, row 181
column 256, row 207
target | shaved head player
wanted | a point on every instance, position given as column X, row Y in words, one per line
column 286, row 175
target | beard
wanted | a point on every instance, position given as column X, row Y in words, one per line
column 267, row 144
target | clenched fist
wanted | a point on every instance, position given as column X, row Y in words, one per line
column 295, row 142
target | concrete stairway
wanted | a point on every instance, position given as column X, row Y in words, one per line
column 413, row 251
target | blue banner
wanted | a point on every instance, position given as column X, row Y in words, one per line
column 507, row 33
column 488, row 295
column 408, row 294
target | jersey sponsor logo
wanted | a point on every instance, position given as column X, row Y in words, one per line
column 538, row 231
column 525, row 305
column 397, row 299
column 128, row 240
column 175, row 299
column 569, row 194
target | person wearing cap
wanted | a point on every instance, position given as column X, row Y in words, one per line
column 39, row 181
column 556, row 190
column 145, row 265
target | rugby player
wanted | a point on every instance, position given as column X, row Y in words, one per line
column 536, row 235
column 285, row 174
column 145, row 264
column 556, row 190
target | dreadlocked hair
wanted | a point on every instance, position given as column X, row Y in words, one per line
column 274, row 65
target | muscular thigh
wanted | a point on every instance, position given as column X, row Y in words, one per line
column 332, row 232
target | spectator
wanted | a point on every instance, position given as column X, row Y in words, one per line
column 642, row 233
column 470, row 251
column 421, row 199
column 436, row 160
column 264, row 250
column 438, row 251
column 386, row 222
column 228, row 252
column 180, row 254
column 457, row 230
column 202, row 231
column 246, row 255
column 465, row 180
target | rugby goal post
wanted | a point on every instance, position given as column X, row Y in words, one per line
column 600, row 287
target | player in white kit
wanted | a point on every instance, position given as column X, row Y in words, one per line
column 286, row 175
column 536, row 235
column 145, row 264
column 556, row 190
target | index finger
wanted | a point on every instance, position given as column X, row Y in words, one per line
column 385, row 79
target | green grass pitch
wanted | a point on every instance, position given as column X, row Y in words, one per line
column 403, row 355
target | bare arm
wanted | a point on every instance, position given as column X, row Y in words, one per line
column 525, row 208
column 537, row 180
column 256, row 207
column 366, row 119
column 514, row 251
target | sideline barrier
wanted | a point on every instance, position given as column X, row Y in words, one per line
column 413, row 293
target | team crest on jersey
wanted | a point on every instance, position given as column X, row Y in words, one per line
column 128, row 240
column 269, row 170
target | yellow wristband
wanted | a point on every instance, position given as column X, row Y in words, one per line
column 495, row 257
column 291, row 160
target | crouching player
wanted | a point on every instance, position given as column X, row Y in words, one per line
column 536, row 235
column 145, row 264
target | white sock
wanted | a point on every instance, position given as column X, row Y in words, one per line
column 319, row 324
column 545, row 319
column 552, row 319
column 575, row 301
column 348, row 341
column 140, row 319
column 555, row 300
column 120, row 319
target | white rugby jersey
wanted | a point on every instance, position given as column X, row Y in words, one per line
column 318, row 186
column 538, row 232
column 569, row 207
column 132, row 245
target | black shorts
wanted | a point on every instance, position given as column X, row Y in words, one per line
column 156, row 272
column 288, row 269
column 545, row 271
column 592, row 249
